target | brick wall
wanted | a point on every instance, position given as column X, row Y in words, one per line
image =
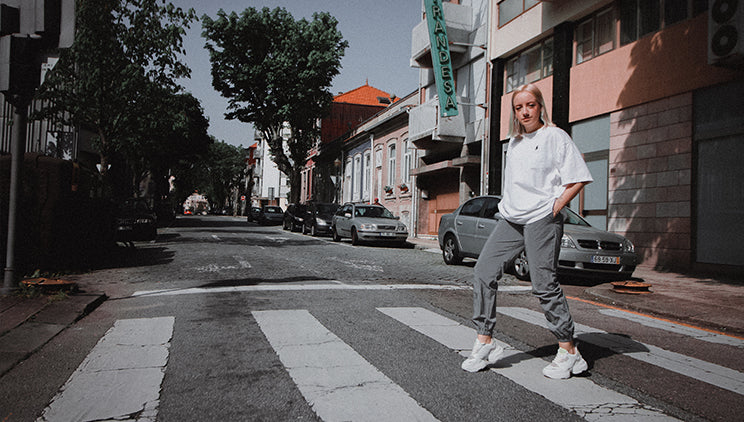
column 650, row 180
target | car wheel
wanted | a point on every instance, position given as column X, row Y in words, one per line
column 313, row 232
column 304, row 229
column 450, row 252
column 336, row 237
column 522, row 267
column 354, row 237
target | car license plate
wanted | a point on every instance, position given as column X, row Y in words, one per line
column 383, row 234
column 597, row 259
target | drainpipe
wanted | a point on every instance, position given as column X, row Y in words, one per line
column 486, row 144
column 371, row 161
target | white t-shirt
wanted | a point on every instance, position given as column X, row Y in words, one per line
column 538, row 166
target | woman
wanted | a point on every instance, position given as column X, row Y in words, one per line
column 544, row 172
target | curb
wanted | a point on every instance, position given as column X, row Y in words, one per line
column 17, row 344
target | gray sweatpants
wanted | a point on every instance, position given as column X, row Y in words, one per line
column 541, row 241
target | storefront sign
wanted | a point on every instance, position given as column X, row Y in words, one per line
column 440, row 57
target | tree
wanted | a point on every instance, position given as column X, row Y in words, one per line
column 273, row 69
column 123, row 63
column 215, row 174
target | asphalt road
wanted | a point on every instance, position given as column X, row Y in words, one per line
column 223, row 320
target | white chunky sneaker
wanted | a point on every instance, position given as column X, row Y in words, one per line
column 481, row 355
column 565, row 364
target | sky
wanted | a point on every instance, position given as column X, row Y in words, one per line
column 379, row 36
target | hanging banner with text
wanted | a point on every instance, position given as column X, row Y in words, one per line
column 440, row 57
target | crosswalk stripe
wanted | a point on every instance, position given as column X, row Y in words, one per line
column 710, row 373
column 120, row 377
column 704, row 335
column 339, row 384
column 579, row 395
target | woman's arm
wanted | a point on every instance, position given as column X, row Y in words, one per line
column 572, row 189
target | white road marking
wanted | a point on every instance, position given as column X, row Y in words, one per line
column 243, row 263
column 120, row 378
column 325, row 285
column 358, row 265
column 215, row 237
column 701, row 370
column 336, row 381
column 676, row 328
column 321, row 285
column 577, row 394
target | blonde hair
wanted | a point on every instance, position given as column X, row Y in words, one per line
column 516, row 129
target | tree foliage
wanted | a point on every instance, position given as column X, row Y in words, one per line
column 219, row 171
column 275, row 69
column 118, row 80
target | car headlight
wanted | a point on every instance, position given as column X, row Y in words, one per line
column 368, row 227
column 321, row 222
column 566, row 242
column 401, row 229
column 628, row 246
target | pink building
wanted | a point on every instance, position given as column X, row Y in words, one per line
column 655, row 111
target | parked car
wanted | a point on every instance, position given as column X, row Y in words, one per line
column 319, row 218
column 253, row 213
column 585, row 250
column 294, row 217
column 135, row 221
column 362, row 222
column 270, row 214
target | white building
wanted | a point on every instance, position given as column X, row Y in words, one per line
column 270, row 186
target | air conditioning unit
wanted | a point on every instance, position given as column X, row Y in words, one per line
column 726, row 32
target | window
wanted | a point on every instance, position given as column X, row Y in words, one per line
column 473, row 208
column 510, row 9
column 642, row 17
column 367, row 175
column 357, row 192
column 391, row 165
column 595, row 36
column 407, row 162
column 533, row 64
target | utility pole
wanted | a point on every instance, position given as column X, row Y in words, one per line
column 29, row 29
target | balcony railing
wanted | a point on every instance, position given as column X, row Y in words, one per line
column 426, row 124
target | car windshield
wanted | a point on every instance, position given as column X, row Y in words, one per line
column 373, row 211
column 575, row 219
column 273, row 210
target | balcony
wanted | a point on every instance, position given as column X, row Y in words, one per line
column 426, row 127
column 459, row 23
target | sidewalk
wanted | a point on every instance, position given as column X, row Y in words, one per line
column 707, row 303
column 27, row 324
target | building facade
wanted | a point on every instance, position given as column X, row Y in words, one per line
column 378, row 161
column 322, row 177
column 270, row 185
column 651, row 105
column 450, row 167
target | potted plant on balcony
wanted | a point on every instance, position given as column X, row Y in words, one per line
column 403, row 188
column 388, row 190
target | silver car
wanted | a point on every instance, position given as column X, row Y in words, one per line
column 585, row 250
column 363, row 223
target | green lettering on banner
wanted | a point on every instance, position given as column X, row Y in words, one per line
column 440, row 55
